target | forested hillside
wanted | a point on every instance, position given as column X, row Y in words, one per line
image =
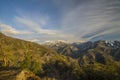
column 23, row 60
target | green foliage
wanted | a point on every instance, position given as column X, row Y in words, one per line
column 30, row 64
column 26, row 63
column 36, row 67
column 101, row 72
column 13, row 51
column 63, row 70
column 61, row 67
column 50, row 66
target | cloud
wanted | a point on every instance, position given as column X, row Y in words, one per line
column 92, row 19
column 9, row 30
column 35, row 26
column 106, row 33
column 74, row 20
column 34, row 40
column 82, row 20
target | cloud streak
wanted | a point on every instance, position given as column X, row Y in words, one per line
column 70, row 20
column 9, row 30
column 92, row 19
column 34, row 26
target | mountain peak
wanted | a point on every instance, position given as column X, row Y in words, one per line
column 56, row 42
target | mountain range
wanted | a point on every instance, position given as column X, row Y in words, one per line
column 89, row 52
column 59, row 60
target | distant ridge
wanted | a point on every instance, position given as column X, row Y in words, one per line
column 89, row 51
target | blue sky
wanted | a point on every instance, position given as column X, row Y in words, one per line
column 69, row 20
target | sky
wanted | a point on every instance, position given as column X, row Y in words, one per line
column 70, row 20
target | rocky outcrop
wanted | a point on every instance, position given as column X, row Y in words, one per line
column 26, row 75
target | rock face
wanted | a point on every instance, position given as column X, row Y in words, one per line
column 26, row 75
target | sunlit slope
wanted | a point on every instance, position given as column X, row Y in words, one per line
column 13, row 51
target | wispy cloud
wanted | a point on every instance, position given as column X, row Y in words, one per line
column 9, row 30
column 80, row 21
column 93, row 19
column 69, row 20
column 35, row 26
column 34, row 40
